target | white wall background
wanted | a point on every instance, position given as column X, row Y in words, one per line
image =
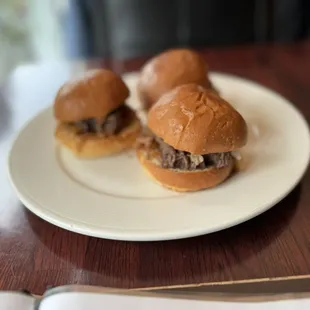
column 44, row 25
column 30, row 31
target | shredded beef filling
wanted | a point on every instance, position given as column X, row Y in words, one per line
column 175, row 159
column 112, row 124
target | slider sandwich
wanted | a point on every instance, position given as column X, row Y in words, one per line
column 192, row 134
column 169, row 69
column 93, row 119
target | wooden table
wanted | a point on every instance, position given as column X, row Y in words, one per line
column 35, row 254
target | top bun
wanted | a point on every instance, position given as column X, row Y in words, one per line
column 196, row 120
column 94, row 95
column 169, row 69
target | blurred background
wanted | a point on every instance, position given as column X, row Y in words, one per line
column 53, row 30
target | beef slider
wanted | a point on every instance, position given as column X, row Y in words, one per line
column 194, row 132
column 169, row 69
column 92, row 117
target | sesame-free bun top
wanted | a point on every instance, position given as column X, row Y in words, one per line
column 169, row 69
column 197, row 120
column 93, row 95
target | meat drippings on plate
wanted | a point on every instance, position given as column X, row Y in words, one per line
column 175, row 159
column 112, row 124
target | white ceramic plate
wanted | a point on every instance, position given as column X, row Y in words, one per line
column 113, row 197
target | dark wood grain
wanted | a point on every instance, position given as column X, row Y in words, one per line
column 35, row 254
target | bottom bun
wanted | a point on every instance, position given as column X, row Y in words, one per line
column 184, row 181
column 93, row 146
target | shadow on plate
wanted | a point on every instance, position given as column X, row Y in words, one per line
column 233, row 253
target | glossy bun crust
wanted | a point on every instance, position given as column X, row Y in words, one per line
column 196, row 120
column 184, row 181
column 94, row 95
column 168, row 70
